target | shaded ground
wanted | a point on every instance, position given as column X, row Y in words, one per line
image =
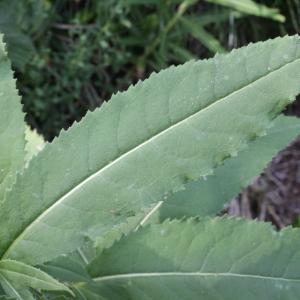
column 275, row 195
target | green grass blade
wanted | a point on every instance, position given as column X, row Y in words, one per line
column 203, row 36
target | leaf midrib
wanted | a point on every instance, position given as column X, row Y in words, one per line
column 190, row 274
column 111, row 163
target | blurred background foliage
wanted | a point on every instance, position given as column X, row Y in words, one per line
column 71, row 55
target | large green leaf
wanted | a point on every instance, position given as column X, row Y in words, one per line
column 200, row 198
column 217, row 259
column 12, row 126
column 207, row 196
column 172, row 128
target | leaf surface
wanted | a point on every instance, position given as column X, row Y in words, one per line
column 34, row 143
column 14, row 292
column 212, row 259
column 66, row 269
column 12, row 126
column 125, row 157
column 208, row 196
